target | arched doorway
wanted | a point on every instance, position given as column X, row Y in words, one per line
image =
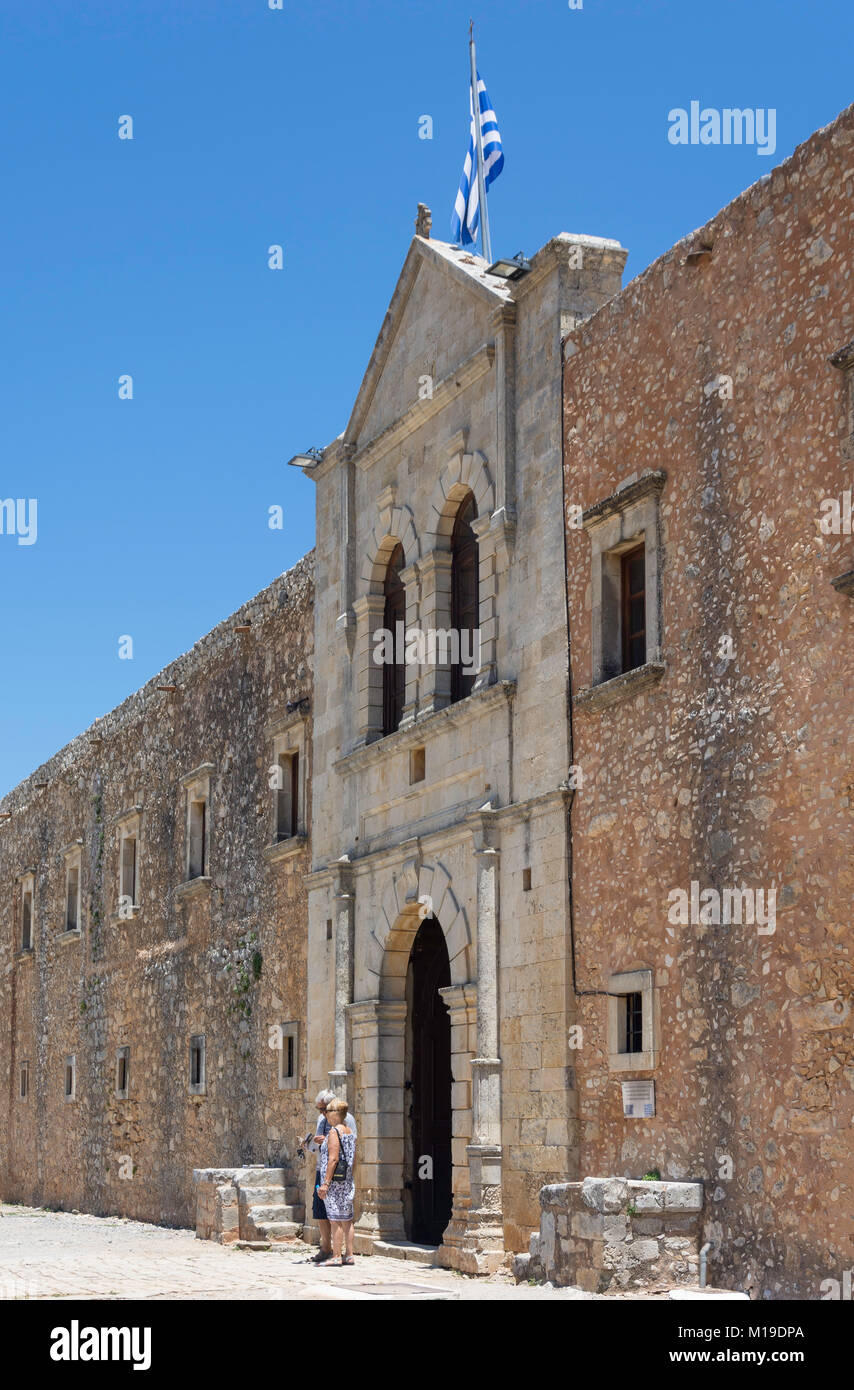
column 427, row 1093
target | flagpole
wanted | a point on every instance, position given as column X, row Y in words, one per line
column 485, row 242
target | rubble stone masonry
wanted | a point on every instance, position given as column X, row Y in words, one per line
column 727, row 759
column 220, row 955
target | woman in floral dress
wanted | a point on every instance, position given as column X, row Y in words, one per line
column 338, row 1193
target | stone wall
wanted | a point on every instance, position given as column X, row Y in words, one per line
column 733, row 768
column 611, row 1233
column 222, row 956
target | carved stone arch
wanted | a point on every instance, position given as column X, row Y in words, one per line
column 391, row 939
column 395, row 525
column 461, row 474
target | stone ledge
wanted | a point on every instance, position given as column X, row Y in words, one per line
column 647, row 485
column 461, row 712
column 621, row 688
column 285, row 849
column 74, row 934
column 194, row 887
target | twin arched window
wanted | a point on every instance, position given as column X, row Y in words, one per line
column 463, row 616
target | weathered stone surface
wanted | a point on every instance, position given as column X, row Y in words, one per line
column 228, row 963
column 715, row 370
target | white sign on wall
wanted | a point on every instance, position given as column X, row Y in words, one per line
column 638, row 1099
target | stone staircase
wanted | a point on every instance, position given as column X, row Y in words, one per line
column 270, row 1203
column 252, row 1204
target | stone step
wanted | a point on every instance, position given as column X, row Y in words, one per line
column 266, row 1193
column 406, row 1250
column 262, row 1176
column 280, row 1230
column 275, row 1211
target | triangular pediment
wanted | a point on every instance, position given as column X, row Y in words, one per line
column 440, row 313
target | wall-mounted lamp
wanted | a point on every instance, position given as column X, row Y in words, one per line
column 510, row 269
column 310, row 459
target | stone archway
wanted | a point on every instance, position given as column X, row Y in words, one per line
column 379, row 1027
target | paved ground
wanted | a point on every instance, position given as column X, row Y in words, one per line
column 54, row 1255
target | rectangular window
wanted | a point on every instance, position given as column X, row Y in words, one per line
column 27, row 919
column 417, row 765
column 634, row 1023
column 128, row 870
column 287, row 796
column 289, row 1057
column 122, row 1072
column 633, row 574
column 198, row 838
column 70, row 1077
column 633, row 1026
column 72, row 898
column 197, row 1064
column 25, row 1080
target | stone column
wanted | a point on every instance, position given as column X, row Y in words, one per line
column 411, row 580
column 504, row 328
column 369, row 611
column 344, row 901
column 495, row 539
column 461, row 1002
column 378, row 1031
column 486, row 1233
column 436, row 615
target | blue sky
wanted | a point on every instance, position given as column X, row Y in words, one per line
column 298, row 127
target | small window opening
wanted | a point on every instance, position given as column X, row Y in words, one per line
column 417, row 765
column 287, row 797
column 72, row 900
column 197, row 1063
column 122, row 1071
column 198, row 838
column 526, row 880
column 27, row 921
column 128, row 873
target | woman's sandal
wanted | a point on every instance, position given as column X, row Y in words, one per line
column 349, row 1261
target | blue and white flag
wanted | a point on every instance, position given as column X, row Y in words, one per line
column 466, row 215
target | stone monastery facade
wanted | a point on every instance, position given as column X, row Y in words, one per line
column 569, row 900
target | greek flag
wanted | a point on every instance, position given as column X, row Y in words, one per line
column 466, row 215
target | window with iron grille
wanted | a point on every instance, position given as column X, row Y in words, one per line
column 633, row 574
column 634, row 1022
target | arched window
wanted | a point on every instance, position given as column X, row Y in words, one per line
column 394, row 672
column 464, row 599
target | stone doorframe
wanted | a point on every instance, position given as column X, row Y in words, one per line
column 473, row 1239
